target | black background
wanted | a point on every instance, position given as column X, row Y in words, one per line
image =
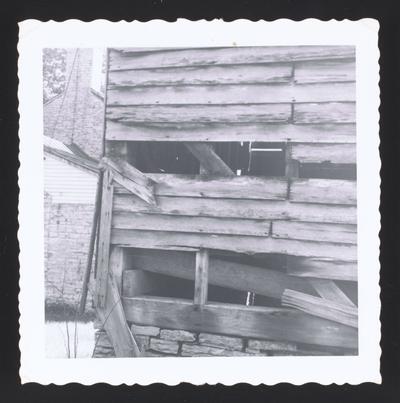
column 385, row 12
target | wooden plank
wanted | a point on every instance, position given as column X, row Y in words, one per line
column 231, row 94
column 309, row 190
column 324, row 191
column 117, row 265
column 260, row 280
column 330, row 112
column 130, row 178
column 323, row 308
column 209, row 160
column 329, row 290
column 240, row 208
column 322, row 268
column 224, row 132
column 228, row 55
column 113, row 320
column 325, row 71
column 204, row 75
column 236, row 243
column 201, row 113
column 238, row 320
column 315, row 231
column 236, row 187
column 317, row 153
column 102, row 260
column 191, row 224
column 201, row 277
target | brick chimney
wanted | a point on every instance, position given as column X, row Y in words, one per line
column 76, row 116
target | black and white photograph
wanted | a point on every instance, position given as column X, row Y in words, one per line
column 201, row 201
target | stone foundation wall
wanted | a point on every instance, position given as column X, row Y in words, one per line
column 159, row 342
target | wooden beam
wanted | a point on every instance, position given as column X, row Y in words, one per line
column 330, row 112
column 323, row 308
column 324, row 71
column 309, row 231
column 202, row 75
column 117, row 264
column 104, row 239
column 223, row 273
column 130, row 178
column 240, row 243
column 232, row 187
column 224, row 132
column 203, row 225
column 239, row 320
column 228, row 55
column 113, row 320
column 329, row 290
column 227, row 94
column 242, row 208
column 209, row 160
column 318, row 153
column 335, row 269
column 201, row 277
column 201, row 113
column 324, row 191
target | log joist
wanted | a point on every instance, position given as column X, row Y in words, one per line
column 258, row 322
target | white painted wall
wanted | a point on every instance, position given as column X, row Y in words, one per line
column 68, row 184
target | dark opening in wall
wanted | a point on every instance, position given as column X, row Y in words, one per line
column 326, row 170
column 266, row 159
column 163, row 157
column 244, row 158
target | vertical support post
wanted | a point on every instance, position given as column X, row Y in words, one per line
column 201, row 277
column 117, row 265
column 104, row 239
column 292, row 166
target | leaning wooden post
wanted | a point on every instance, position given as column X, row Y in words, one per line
column 104, row 239
column 93, row 233
column 201, row 277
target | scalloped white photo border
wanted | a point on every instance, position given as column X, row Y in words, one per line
column 35, row 367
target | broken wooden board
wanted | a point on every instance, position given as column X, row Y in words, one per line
column 226, row 132
column 223, row 273
column 341, row 313
column 329, row 290
column 130, row 178
column 238, row 320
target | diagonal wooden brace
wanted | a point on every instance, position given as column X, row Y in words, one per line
column 130, row 178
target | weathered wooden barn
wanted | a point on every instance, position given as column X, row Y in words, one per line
column 228, row 204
